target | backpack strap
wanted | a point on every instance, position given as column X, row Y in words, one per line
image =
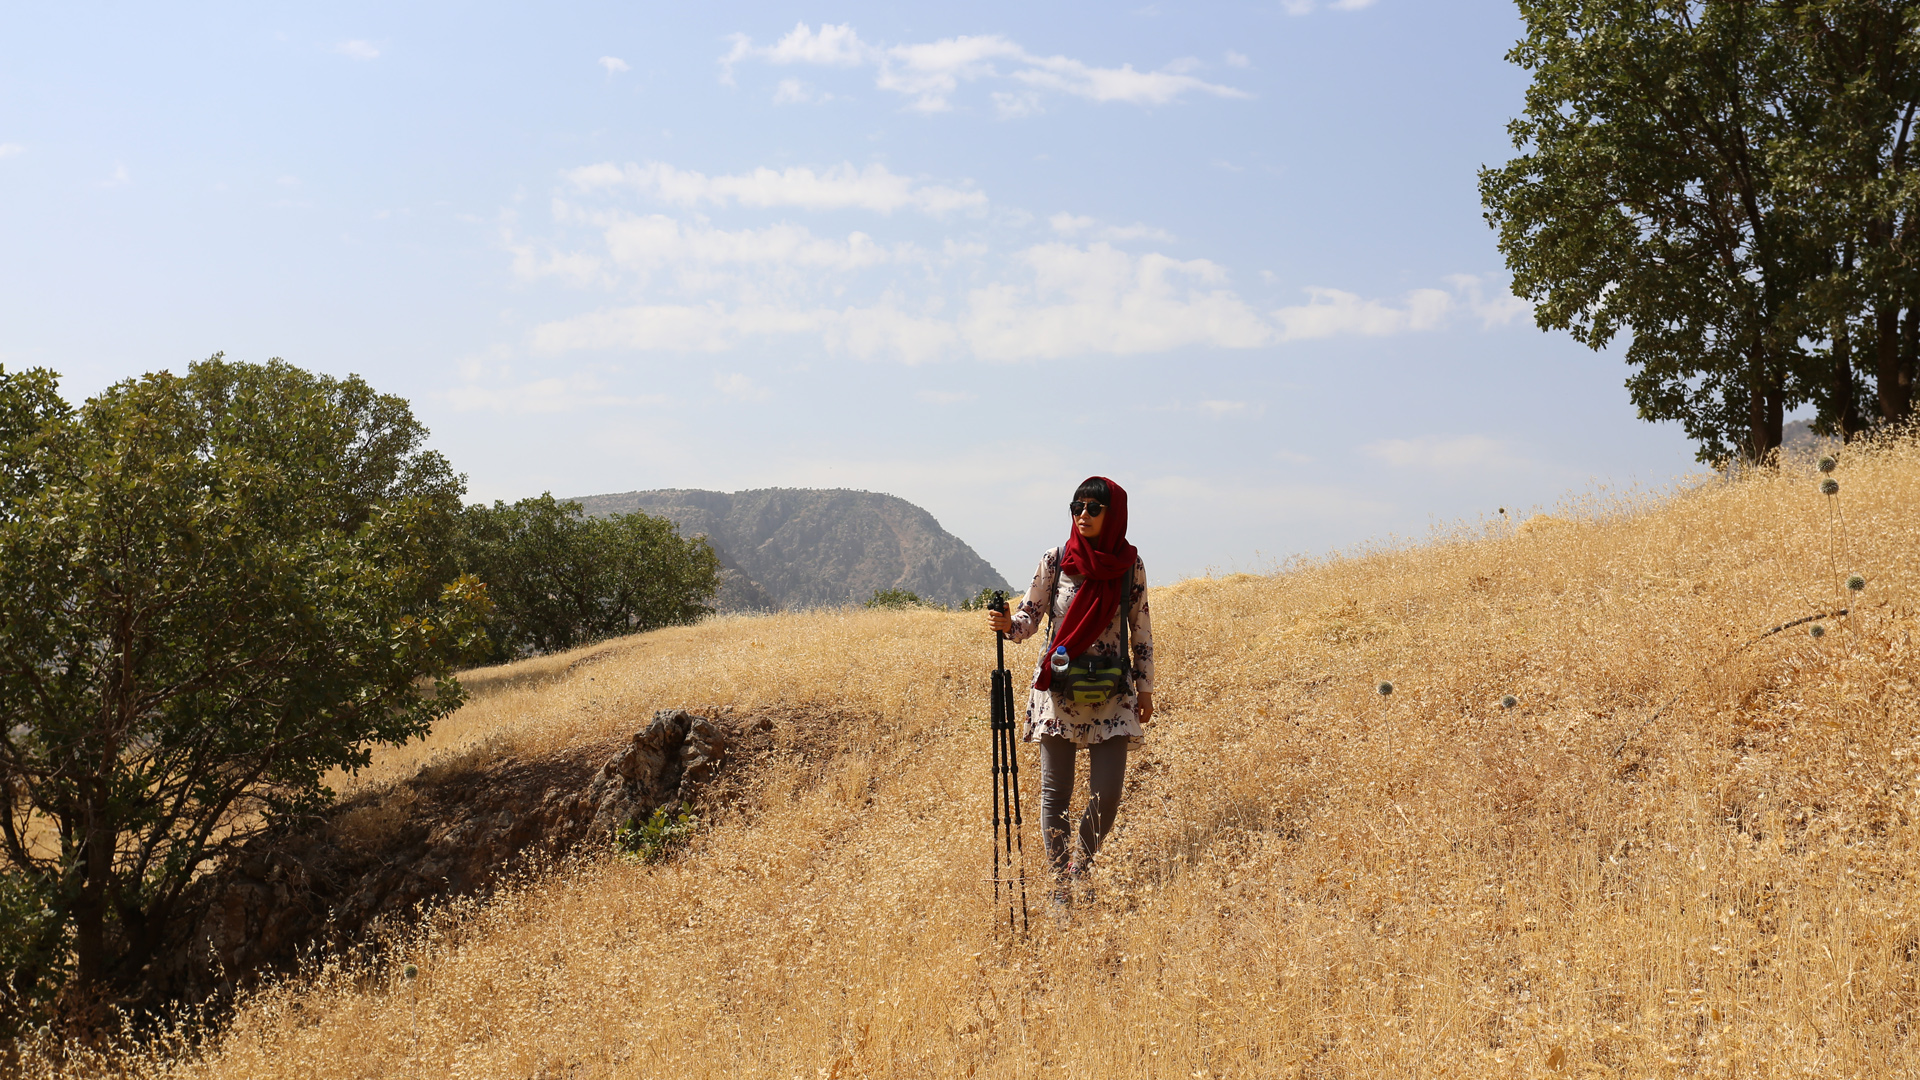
column 1126, row 616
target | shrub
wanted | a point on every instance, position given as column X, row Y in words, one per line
column 897, row 598
column 656, row 839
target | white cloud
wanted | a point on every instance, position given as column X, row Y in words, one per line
column 1331, row 312
column 1228, row 408
column 120, row 177
column 9, row 149
column 358, row 49
column 614, row 64
column 660, row 241
column 741, row 388
column 550, row 395
column 1447, row 455
column 792, row 92
column 1007, row 106
column 873, row 333
column 1500, row 310
column 1350, row 5
column 931, row 72
column 1074, row 225
column 1100, row 300
column 838, row 188
column 1238, row 60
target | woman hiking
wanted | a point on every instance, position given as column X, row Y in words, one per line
column 1093, row 687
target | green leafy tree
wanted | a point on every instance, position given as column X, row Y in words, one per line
column 560, row 579
column 1851, row 170
column 1650, row 195
column 896, row 598
column 214, row 589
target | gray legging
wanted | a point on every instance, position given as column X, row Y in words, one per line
column 1106, row 769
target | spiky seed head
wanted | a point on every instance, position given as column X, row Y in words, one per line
column 410, row 971
column 1827, row 464
column 1829, row 486
column 1856, row 582
column 1385, row 688
column 1818, row 631
column 1509, row 701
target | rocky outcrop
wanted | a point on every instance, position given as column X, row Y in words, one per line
column 453, row 831
column 803, row 547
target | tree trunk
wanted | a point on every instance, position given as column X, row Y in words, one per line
column 1846, row 403
column 1846, row 408
column 1895, row 379
column 90, row 912
column 1766, row 410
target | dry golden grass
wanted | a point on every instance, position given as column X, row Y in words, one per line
column 1308, row 879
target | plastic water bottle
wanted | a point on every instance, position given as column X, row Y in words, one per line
column 1059, row 661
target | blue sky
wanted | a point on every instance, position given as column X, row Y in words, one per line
column 1230, row 255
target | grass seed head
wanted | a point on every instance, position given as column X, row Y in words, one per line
column 1385, row 689
column 410, row 971
column 1818, row 631
column 1509, row 701
column 1855, row 582
column 1827, row 464
column 1829, row 486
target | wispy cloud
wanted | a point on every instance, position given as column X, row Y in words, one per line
column 1237, row 60
column 120, row 177
column 1077, row 225
column 614, row 64
column 10, row 149
column 841, row 187
column 1099, row 300
column 1331, row 313
column 358, row 49
column 1460, row 454
column 678, row 282
column 489, row 388
column 1306, row 7
column 930, row 73
column 741, row 388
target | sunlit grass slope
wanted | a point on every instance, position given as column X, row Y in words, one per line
column 1308, row 878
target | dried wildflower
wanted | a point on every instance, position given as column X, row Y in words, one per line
column 1509, row 701
column 1829, row 486
column 1818, row 631
column 1385, row 689
column 1856, row 582
column 410, row 971
column 1827, row 464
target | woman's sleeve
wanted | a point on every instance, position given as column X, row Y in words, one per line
column 1033, row 609
column 1140, row 632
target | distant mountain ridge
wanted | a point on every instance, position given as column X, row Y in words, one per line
column 815, row 547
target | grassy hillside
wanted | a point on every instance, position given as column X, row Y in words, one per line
column 1308, row 879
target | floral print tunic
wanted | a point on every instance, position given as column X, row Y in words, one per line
column 1047, row 713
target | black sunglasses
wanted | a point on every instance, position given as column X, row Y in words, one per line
column 1089, row 507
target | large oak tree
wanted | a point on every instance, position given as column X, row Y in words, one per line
column 214, row 589
column 1728, row 182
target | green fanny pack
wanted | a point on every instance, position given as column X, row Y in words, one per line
column 1091, row 679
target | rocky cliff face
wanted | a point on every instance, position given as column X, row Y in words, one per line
column 802, row 547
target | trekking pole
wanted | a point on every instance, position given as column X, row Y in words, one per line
column 1007, row 778
column 996, row 716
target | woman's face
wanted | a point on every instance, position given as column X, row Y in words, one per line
column 1091, row 516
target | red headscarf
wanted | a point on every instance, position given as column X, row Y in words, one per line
column 1107, row 562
